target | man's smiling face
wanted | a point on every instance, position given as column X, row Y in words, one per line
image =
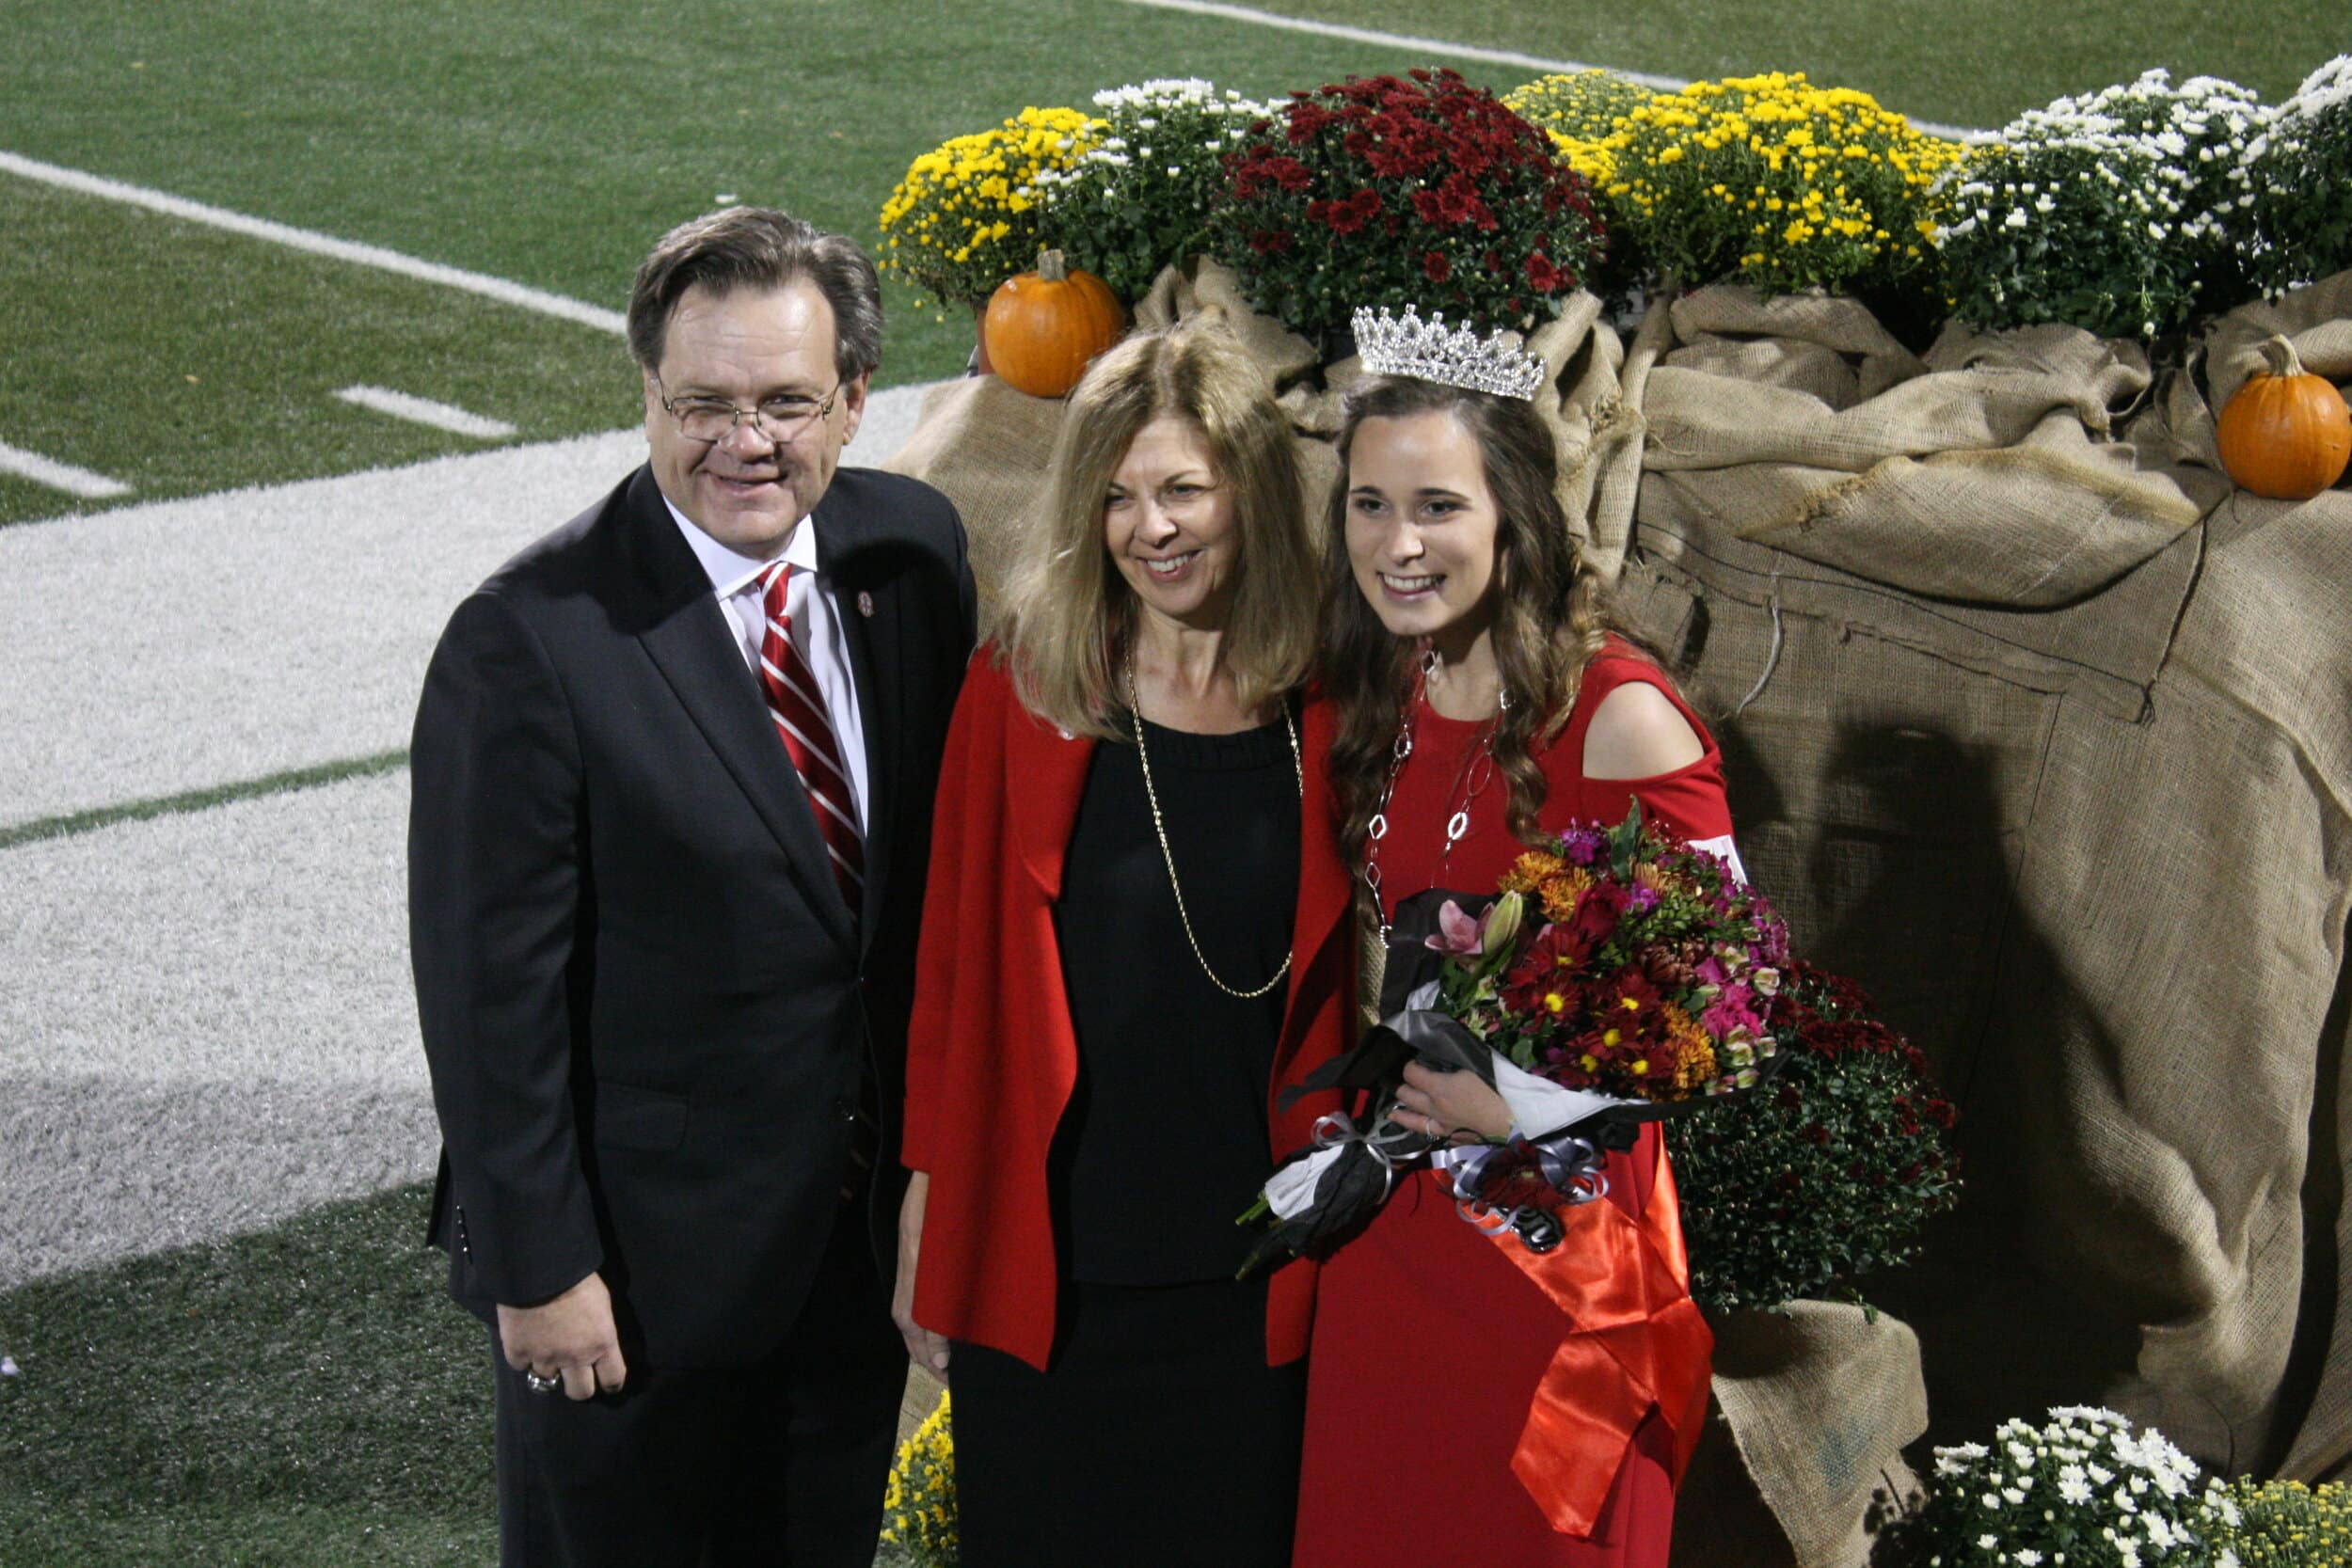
column 750, row 346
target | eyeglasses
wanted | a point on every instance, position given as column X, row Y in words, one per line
column 777, row 418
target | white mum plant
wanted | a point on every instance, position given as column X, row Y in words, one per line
column 1139, row 199
column 2301, row 165
column 2082, row 1490
column 2112, row 213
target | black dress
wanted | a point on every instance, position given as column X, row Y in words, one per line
column 1158, row 1435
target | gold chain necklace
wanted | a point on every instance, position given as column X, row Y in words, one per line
column 1143, row 756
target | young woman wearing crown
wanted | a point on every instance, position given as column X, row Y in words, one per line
column 1501, row 1406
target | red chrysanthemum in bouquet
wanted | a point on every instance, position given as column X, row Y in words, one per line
column 1620, row 963
column 1619, row 972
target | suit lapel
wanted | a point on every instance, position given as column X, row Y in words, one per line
column 689, row 641
column 871, row 638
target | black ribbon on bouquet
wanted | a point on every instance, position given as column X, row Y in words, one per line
column 1350, row 1186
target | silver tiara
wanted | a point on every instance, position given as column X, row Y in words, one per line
column 1451, row 357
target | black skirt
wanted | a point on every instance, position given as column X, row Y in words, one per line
column 1158, row 1437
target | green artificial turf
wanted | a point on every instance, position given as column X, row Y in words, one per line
column 308, row 1395
column 1960, row 62
column 183, row 359
column 551, row 144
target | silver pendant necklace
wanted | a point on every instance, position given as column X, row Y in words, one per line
column 1476, row 773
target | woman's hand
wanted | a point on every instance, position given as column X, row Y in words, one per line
column 1447, row 1105
column 928, row 1350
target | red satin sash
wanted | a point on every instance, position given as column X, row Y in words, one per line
column 1635, row 1340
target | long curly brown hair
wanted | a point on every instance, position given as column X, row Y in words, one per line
column 1550, row 613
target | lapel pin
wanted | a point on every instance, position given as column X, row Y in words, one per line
column 866, row 604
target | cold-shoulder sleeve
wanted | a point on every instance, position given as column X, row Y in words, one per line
column 1689, row 802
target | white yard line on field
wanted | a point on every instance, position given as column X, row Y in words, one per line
column 208, row 1024
column 441, row 416
column 1454, row 50
column 259, row 669
column 54, row 475
column 316, row 243
column 1389, row 41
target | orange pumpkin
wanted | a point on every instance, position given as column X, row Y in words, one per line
column 2286, row 433
column 1044, row 327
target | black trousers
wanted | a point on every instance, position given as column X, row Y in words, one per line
column 1159, row 1438
column 776, row 1465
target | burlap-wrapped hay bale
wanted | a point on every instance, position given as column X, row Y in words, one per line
column 1793, row 1468
column 2087, row 834
column 1983, row 472
column 987, row 446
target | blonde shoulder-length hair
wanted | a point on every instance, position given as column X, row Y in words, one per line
column 1068, row 617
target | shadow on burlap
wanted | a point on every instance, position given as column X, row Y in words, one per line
column 2044, row 732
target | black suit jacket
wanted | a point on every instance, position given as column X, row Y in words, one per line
column 645, row 1004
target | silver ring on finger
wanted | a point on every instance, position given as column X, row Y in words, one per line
column 539, row 1385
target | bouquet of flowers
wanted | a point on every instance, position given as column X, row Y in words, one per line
column 2108, row 213
column 970, row 212
column 1138, row 199
column 1829, row 1174
column 2082, row 1489
column 1773, row 182
column 2302, row 167
column 1617, row 975
column 1394, row 191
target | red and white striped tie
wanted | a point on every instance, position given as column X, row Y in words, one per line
column 799, row 710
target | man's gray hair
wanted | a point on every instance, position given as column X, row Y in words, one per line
column 758, row 247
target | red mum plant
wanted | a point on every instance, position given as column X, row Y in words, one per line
column 1826, row 1177
column 1393, row 191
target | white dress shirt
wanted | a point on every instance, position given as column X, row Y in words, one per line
column 818, row 634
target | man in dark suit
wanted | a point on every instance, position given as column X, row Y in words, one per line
column 672, row 776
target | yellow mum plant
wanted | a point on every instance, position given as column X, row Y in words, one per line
column 919, row 1506
column 2285, row 1523
column 1773, row 181
column 1577, row 109
column 967, row 215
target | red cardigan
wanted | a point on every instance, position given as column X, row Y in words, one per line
column 991, row 1055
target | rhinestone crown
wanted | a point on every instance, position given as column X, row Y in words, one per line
column 1451, row 357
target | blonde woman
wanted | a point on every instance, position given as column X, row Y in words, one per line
column 1134, row 938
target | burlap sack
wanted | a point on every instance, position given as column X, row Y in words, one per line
column 987, row 446
column 1785, row 1477
column 1985, row 472
column 918, row 1400
column 2317, row 321
column 2117, row 927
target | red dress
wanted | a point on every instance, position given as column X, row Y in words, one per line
column 1430, row 1343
